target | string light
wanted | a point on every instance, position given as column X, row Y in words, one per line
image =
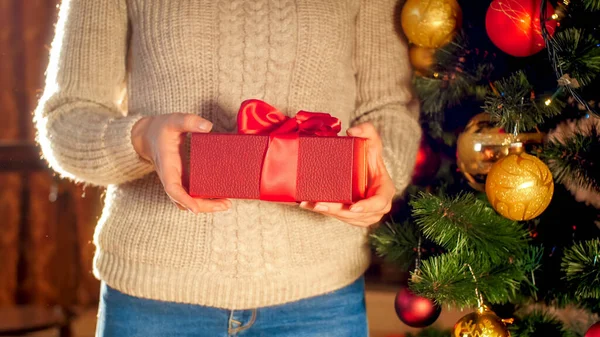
column 554, row 16
column 553, row 49
column 548, row 102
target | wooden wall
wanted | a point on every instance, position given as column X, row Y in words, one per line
column 46, row 223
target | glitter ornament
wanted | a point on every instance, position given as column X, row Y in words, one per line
column 519, row 186
column 514, row 26
column 482, row 144
column 421, row 59
column 481, row 323
column 430, row 23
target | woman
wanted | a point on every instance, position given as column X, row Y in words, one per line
column 224, row 267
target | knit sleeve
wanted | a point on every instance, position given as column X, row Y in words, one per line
column 83, row 133
column 385, row 97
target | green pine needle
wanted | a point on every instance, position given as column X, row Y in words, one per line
column 581, row 263
column 460, row 75
column 465, row 223
column 578, row 54
column 539, row 324
column 396, row 243
column 447, row 278
column 438, row 94
column 592, row 5
column 515, row 108
column 576, row 159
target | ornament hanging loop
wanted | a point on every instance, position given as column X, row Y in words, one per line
column 477, row 293
column 417, row 272
column 516, row 128
column 418, row 261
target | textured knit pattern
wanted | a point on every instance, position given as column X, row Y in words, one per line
column 114, row 61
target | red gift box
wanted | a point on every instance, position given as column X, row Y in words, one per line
column 277, row 158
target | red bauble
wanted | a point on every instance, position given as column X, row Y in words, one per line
column 427, row 163
column 594, row 330
column 416, row 311
column 514, row 26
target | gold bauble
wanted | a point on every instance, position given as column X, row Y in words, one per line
column 482, row 144
column 430, row 23
column 519, row 186
column 421, row 58
column 481, row 323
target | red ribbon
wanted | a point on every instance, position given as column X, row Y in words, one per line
column 280, row 167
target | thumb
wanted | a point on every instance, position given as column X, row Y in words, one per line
column 367, row 130
column 190, row 123
column 374, row 146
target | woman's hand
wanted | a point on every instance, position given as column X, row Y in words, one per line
column 380, row 191
column 158, row 139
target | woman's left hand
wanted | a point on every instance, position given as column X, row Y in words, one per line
column 380, row 190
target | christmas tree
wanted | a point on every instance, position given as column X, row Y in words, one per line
column 502, row 215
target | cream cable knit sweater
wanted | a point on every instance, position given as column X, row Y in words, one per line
column 205, row 57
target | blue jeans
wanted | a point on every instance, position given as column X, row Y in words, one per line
column 338, row 314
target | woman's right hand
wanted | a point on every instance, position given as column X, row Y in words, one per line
column 158, row 139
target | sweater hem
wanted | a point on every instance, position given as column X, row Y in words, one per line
column 200, row 287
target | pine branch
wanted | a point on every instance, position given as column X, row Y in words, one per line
column 457, row 75
column 591, row 5
column 514, row 106
column 590, row 304
column 437, row 94
column 578, row 54
column 576, row 159
column 561, row 299
column 531, row 262
column 447, row 279
column 539, row 324
column 581, row 263
column 465, row 223
column 396, row 243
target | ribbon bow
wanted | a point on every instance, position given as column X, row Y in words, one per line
column 280, row 166
column 259, row 118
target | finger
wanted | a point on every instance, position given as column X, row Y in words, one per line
column 171, row 179
column 377, row 203
column 337, row 210
column 374, row 144
column 365, row 130
column 179, row 196
column 329, row 207
column 362, row 222
column 185, row 162
column 213, row 205
column 189, row 123
column 353, row 218
column 183, row 201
